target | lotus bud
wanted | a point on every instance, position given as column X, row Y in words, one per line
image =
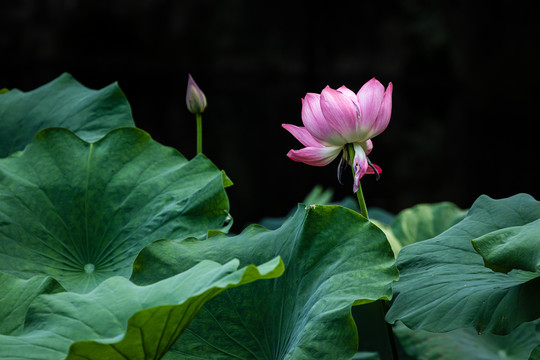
column 195, row 99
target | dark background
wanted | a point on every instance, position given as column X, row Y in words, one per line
column 465, row 77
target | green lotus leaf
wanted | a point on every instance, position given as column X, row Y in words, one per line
column 63, row 102
column 515, row 247
column 334, row 259
column 467, row 344
column 380, row 215
column 424, row 221
column 119, row 320
column 444, row 284
column 418, row 223
column 81, row 212
column 366, row 356
column 535, row 355
column 16, row 295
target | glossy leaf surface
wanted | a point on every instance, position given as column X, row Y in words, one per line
column 63, row 102
column 81, row 212
column 119, row 320
column 444, row 284
column 334, row 259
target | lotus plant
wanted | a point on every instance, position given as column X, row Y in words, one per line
column 342, row 122
column 114, row 246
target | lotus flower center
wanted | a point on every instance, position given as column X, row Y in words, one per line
column 89, row 268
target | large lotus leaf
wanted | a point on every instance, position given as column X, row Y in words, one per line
column 444, row 284
column 511, row 248
column 16, row 295
column 81, row 212
column 468, row 344
column 334, row 259
column 119, row 320
column 63, row 102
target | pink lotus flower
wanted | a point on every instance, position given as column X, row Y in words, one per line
column 337, row 119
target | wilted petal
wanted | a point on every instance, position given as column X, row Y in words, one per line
column 316, row 156
column 360, row 165
column 302, row 135
column 367, row 146
column 371, row 169
column 340, row 112
column 316, row 123
column 383, row 116
column 370, row 97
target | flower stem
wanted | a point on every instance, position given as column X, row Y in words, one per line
column 361, row 201
column 363, row 211
column 359, row 193
column 199, row 133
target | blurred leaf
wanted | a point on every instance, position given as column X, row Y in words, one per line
column 467, row 344
column 334, row 259
column 317, row 196
column 63, row 102
column 424, row 221
column 394, row 242
column 535, row 355
column 444, row 284
column 381, row 215
column 119, row 320
column 366, row 356
column 81, row 212
column 415, row 224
